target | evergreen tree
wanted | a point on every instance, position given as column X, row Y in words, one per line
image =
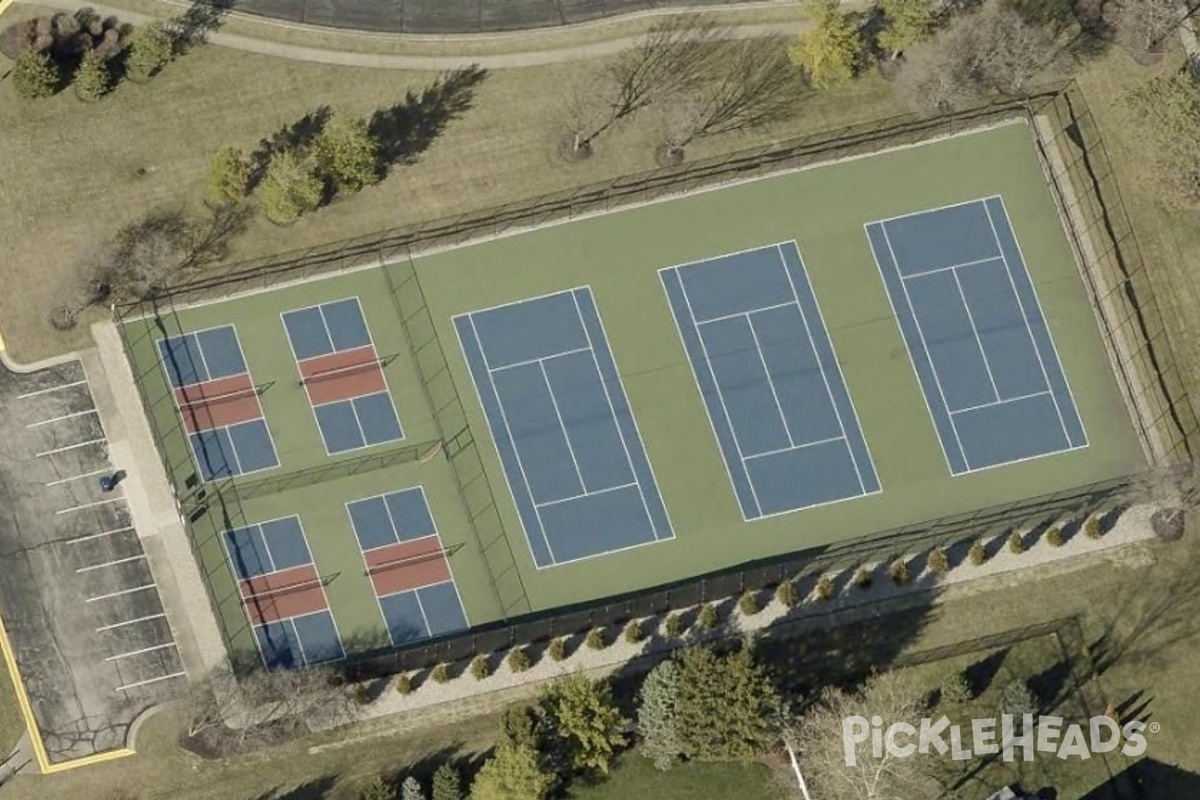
column 411, row 789
column 35, row 74
column 907, row 22
column 150, row 49
column 580, row 712
column 228, row 177
column 656, row 717
column 829, row 50
column 92, row 78
column 724, row 705
column 512, row 773
column 289, row 189
column 447, row 784
column 347, row 156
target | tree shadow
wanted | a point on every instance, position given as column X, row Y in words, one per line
column 404, row 131
column 317, row 789
column 296, row 136
column 1148, row 778
column 192, row 27
column 980, row 674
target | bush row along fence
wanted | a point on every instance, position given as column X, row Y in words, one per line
column 1092, row 209
column 459, row 16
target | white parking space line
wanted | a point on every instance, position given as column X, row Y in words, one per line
column 91, row 474
column 60, row 419
column 97, row 535
column 134, row 621
column 51, row 389
column 151, row 680
column 69, row 447
column 162, row 646
column 110, row 563
column 118, row 594
column 90, row 505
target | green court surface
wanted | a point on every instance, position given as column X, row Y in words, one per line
column 618, row 255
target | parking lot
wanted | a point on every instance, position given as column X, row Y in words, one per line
column 77, row 595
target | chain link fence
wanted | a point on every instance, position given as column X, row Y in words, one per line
column 1089, row 200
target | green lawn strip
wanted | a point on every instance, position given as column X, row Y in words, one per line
column 12, row 722
column 635, row 776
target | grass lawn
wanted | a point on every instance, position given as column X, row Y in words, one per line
column 636, row 777
column 76, row 173
column 12, row 724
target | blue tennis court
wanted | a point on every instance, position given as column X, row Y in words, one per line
column 408, row 567
column 283, row 594
column 561, row 421
column 770, row 381
column 218, row 402
column 342, row 375
column 976, row 335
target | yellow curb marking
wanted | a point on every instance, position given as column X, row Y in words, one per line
column 4, row 4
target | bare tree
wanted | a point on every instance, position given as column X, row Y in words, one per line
column 822, row 753
column 753, row 83
column 994, row 50
column 670, row 58
column 1145, row 25
column 88, row 281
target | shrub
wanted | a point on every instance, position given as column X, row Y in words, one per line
column 708, row 618
column 519, row 660
column 938, row 562
column 748, row 604
column 1017, row 699
column 557, row 649
column 92, row 78
column 1091, row 528
column 786, row 594
column 441, row 673
column 1016, row 542
column 899, row 572
column 595, row 639
column 289, row 189
column 674, row 625
column 955, row 690
column 824, row 588
column 862, row 578
column 634, row 632
column 404, row 683
column 479, row 667
column 1054, row 537
column 35, row 75
column 228, row 177
column 360, row 694
column 977, row 554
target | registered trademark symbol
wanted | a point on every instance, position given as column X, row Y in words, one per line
column 1155, row 727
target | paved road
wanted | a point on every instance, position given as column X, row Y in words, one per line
column 77, row 596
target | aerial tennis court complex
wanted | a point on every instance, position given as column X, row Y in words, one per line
column 653, row 394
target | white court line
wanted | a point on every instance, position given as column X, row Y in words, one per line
column 91, row 474
column 110, row 563
column 139, row 652
column 979, row 200
column 612, row 409
column 563, row 426
column 51, row 389
column 60, row 419
column 687, row 301
column 151, row 680
column 90, row 505
column 724, row 317
column 538, row 360
column 801, row 447
column 118, row 594
column 586, row 494
column 762, row 359
column 812, row 343
column 978, row 341
column 936, row 270
column 1029, row 328
column 69, row 447
column 97, row 535
column 1001, row 402
column 928, row 356
column 511, row 439
column 103, row 628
